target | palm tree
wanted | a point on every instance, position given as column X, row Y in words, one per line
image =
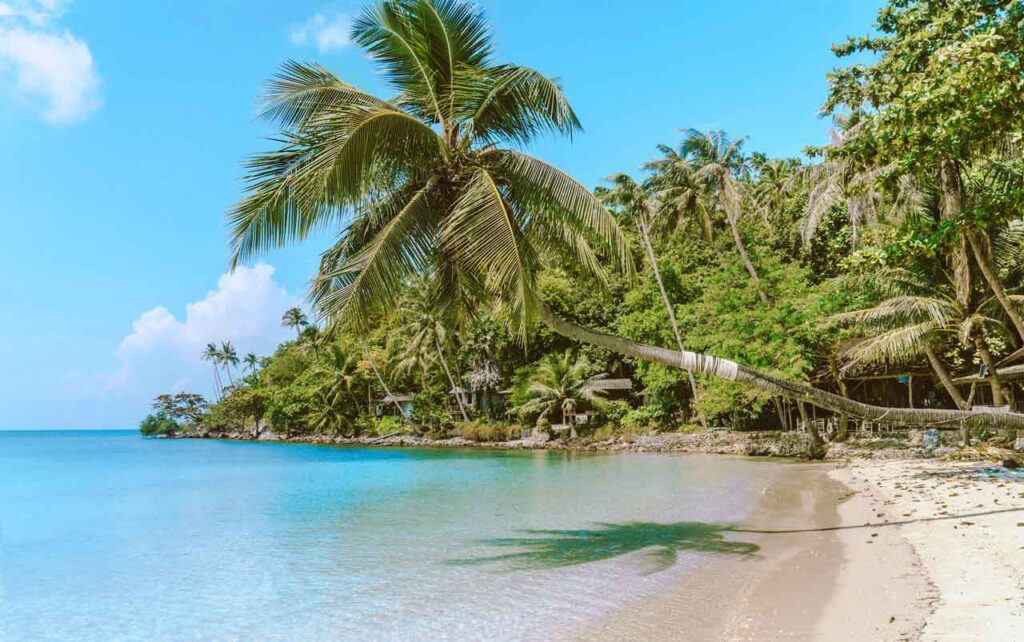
column 423, row 177
column 338, row 371
column 370, row 359
column 920, row 319
column 213, row 355
column 252, row 362
column 426, row 333
column 776, row 178
column 680, row 191
column 633, row 199
column 333, row 402
column 229, row 359
column 295, row 318
column 997, row 248
column 561, row 384
column 720, row 164
column 421, row 184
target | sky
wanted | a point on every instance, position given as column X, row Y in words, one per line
column 123, row 125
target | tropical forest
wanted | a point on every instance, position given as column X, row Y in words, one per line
column 475, row 291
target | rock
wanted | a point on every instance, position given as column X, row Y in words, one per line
column 1010, row 464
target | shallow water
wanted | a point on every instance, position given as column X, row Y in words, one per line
column 110, row 536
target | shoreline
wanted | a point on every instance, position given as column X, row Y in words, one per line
column 880, row 542
column 884, row 550
column 777, row 593
column 818, row 575
column 790, row 445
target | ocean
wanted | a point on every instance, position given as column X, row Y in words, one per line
column 105, row 535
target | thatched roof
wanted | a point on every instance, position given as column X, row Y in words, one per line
column 610, row 384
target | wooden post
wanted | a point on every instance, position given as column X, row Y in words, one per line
column 910, row 390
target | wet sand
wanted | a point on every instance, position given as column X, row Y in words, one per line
column 807, row 581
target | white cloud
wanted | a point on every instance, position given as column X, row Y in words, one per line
column 327, row 33
column 164, row 353
column 48, row 67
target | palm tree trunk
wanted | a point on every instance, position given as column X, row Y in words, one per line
column 732, row 371
column 380, row 380
column 817, row 449
column 979, row 248
column 950, row 204
column 456, row 389
column 217, row 387
column 946, row 380
column 954, row 392
column 742, row 249
column 993, row 375
column 1006, row 437
column 781, row 412
column 641, row 223
column 842, row 431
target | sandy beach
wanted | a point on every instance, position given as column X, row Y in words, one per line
column 966, row 531
column 868, row 550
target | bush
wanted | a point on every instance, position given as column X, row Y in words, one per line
column 430, row 412
column 615, row 411
column 158, row 424
column 388, row 425
column 643, row 418
column 484, row 432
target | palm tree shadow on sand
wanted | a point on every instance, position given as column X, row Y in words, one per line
column 546, row 549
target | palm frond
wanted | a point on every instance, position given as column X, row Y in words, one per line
column 900, row 308
column 897, row 346
column 546, row 193
column 370, row 280
column 312, row 179
column 517, row 104
column 482, row 235
column 302, row 92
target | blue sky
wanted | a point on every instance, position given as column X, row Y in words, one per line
column 122, row 126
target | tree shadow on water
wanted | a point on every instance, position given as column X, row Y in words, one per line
column 545, row 549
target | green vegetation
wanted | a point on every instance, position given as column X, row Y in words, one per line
column 467, row 266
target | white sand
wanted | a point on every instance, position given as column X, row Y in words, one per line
column 969, row 569
column 915, row 551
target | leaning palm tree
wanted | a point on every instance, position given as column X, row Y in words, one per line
column 634, row 199
column 213, row 355
column 295, row 318
column 561, row 384
column 721, row 165
column 422, row 184
column 370, row 359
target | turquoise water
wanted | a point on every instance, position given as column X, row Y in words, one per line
column 108, row 536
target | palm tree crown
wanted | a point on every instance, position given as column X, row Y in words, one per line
column 419, row 183
column 560, row 386
column 295, row 318
column 252, row 362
